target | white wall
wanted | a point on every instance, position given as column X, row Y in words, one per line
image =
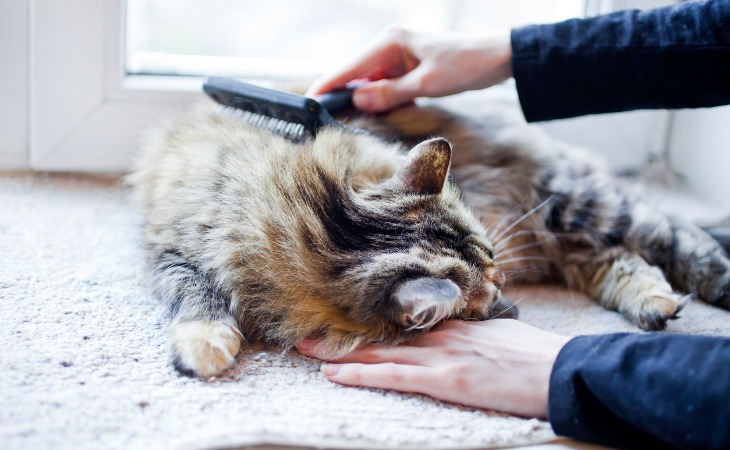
column 700, row 151
column 14, row 85
column 624, row 140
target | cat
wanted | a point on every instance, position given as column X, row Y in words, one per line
column 357, row 238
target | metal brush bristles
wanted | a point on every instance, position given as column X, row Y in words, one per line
column 292, row 131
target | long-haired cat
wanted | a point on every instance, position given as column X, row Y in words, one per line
column 366, row 238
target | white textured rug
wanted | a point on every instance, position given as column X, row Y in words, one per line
column 83, row 359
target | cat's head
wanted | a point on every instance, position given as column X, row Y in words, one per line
column 400, row 254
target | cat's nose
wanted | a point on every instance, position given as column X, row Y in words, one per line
column 423, row 302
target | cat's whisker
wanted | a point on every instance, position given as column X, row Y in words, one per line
column 506, row 309
column 499, row 245
column 503, row 243
column 549, row 234
column 499, row 254
column 526, row 258
column 527, row 269
column 522, row 218
column 506, row 241
column 504, row 220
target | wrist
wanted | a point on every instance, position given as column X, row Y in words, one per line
column 543, row 372
column 503, row 56
column 496, row 57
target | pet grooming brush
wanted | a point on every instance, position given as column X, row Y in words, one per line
column 293, row 116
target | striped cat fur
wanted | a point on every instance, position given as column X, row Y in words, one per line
column 355, row 239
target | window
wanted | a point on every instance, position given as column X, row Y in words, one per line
column 103, row 71
column 289, row 39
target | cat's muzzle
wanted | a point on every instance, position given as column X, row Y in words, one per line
column 423, row 302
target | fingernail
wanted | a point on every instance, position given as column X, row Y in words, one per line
column 330, row 370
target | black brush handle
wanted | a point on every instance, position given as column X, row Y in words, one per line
column 334, row 101
column 280, row 105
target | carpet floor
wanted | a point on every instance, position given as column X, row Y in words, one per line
column 84, row 364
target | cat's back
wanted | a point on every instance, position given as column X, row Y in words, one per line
column 195, row 154
column 205, row 179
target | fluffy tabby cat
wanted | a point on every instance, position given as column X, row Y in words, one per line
column 366, row 238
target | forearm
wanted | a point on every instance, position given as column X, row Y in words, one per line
column 643, row 390
column 674, row 57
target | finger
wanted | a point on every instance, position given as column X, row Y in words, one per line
column 384, row 95
column 383, row 58
column 400, row 377
column 339, row 80
column 372, row 354
column 371, row 65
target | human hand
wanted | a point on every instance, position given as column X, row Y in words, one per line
column 404, row 64
column 498, row 364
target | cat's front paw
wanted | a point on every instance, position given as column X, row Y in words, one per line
column 655, row 311
column 203, row 347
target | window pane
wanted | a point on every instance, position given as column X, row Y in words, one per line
column 297, row 38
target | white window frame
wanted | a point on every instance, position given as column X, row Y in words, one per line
column 84, row 114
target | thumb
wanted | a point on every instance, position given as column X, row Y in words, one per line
column 386, row 94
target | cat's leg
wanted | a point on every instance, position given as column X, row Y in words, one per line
column 692, row 261
column 591, row 218
column 203, row 337
column 625, row 282
column 593, row 206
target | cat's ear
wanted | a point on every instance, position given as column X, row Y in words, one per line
column 426, row 167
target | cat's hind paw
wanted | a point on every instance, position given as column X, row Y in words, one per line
column 203, row 347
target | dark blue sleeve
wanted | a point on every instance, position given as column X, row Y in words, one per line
column 672, row 57
column 651, row 390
